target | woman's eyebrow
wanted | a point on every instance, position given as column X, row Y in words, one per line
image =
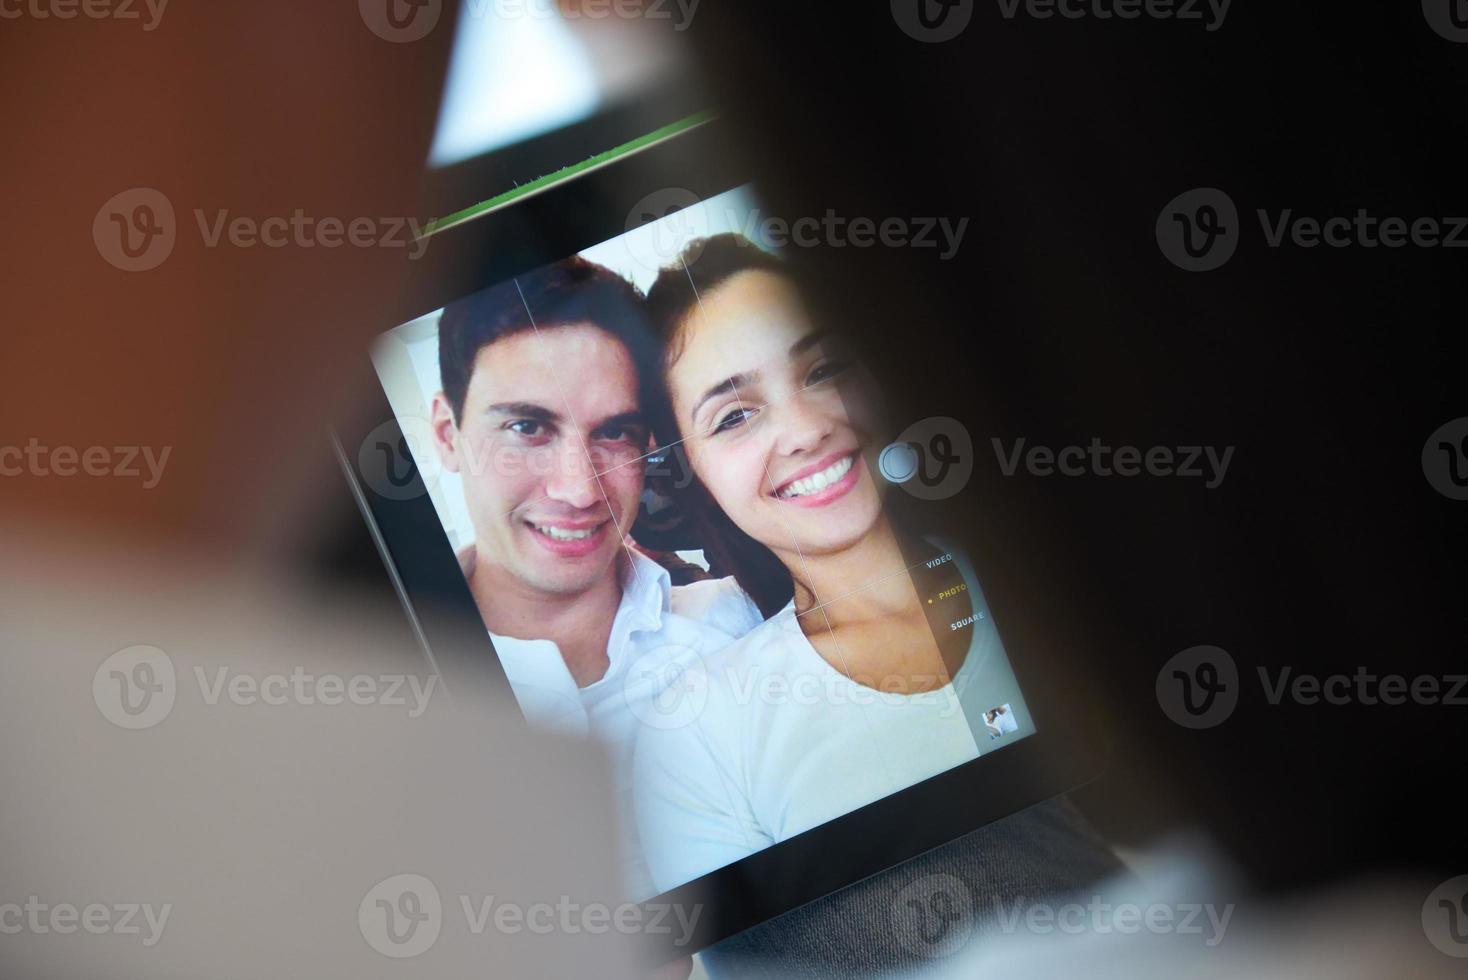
column 808, row 341
column 732, row 383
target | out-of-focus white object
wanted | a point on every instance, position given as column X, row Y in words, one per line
column 510, row 78
column 519, row 69
column 203, row 779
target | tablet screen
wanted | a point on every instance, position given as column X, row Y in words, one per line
column 674, row 498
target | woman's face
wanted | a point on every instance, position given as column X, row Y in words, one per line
column 758, row 394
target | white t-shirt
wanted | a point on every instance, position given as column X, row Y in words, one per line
column 773, row 741
column 659, row 630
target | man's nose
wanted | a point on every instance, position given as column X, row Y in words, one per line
column 572, row 479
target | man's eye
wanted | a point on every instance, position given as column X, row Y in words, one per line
column 621, row 433
column 734, row 419
column 529, row 428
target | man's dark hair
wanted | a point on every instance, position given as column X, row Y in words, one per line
column 567, row 292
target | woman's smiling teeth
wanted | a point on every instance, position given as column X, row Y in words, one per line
column 566, row 533
column 816, row 482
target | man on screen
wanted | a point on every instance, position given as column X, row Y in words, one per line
column 543, row 414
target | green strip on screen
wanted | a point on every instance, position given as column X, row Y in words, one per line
column 565, row 173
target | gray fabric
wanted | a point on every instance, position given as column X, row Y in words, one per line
column 928, row 909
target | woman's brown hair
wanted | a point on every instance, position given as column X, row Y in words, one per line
column 704, row 265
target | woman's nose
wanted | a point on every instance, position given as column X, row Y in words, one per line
column 801, row 424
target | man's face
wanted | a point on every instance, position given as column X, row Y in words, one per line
column 550, row 447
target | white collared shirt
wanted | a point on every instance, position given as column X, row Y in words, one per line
column 659, row 631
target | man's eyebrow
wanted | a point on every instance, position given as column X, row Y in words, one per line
column 633, row 417
column 732, row 383
column 527, row 410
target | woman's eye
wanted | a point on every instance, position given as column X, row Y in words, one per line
column 734, row 419
column 827, row 370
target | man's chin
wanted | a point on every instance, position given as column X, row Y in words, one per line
column 570, row 576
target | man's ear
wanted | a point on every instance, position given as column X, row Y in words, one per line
column 445, row 433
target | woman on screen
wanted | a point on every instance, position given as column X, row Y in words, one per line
column 845, row 694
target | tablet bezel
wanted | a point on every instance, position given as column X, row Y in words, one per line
column 1067, row 749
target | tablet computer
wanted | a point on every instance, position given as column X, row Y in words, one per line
column 609, row 441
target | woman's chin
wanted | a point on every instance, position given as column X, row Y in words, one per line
column 834, row 528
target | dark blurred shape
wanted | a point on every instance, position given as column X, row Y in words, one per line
column 1060, row 320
